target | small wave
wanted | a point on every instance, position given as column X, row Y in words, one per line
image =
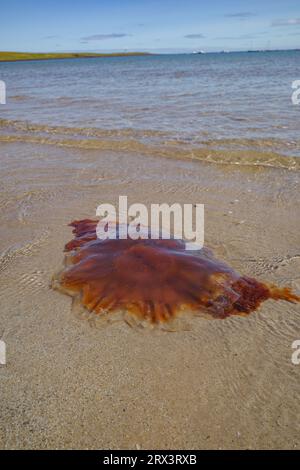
column 75, row 131
column 223, row 157
column 243, row 152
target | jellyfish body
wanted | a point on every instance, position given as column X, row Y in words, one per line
column 155, row 281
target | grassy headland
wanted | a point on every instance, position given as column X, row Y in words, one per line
column 16, row 56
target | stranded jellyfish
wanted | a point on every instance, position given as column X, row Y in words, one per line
column 150, row 281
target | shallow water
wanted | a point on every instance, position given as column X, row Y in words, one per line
column 168, row 386
column 228, row 101
column 178, row 389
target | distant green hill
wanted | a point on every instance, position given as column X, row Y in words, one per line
column 14, row 56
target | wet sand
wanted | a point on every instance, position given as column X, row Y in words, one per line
column 222, row 384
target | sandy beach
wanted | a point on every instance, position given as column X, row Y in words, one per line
column 150, row 229
column 222, row 384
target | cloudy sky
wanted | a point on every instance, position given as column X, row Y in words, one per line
column 149, row 25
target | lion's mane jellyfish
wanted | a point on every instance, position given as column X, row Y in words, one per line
column 152, row 282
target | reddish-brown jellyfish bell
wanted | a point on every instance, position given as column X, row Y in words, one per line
column 154, row 282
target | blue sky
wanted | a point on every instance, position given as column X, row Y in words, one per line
column 149, row 25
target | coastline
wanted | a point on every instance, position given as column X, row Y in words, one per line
column 24, row 56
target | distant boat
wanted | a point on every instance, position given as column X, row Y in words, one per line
column 198, row 52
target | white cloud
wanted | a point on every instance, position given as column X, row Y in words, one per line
column 103, row 37
column 288, row 22
column 194, row 36
column 242, row 14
